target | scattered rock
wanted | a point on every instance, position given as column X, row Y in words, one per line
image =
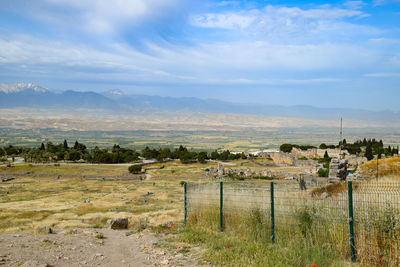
column 43, row 230
column 86, row 200
column 164, row 262
column 120, row 223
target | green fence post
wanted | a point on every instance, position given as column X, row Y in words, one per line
column 221, row 206
column 272, row 214
column 351, row 222
column 185, row 201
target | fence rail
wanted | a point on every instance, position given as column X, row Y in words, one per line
column 360, row 221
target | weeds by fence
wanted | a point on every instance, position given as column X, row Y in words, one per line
column 359, row 221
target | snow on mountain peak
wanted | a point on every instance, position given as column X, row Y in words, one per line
column 20, row 87
column 115, row 92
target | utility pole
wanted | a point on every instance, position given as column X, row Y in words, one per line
column 341, row 130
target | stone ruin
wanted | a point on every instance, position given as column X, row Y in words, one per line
column 221, row 169
column 337, row 170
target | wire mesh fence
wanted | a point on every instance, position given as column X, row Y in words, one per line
column 363, row 216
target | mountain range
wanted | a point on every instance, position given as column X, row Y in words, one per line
column 35, row 96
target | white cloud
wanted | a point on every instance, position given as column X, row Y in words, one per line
column 289, row 24
column 272, row 16
column 100, row 16
column 272, row 55
column 354, row 4
column 226, row 21
column 205, row 63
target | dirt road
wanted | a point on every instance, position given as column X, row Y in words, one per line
column 81, row 247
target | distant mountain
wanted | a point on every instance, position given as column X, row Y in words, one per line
column 217, row 106
column 22, row 87
column 31, row 95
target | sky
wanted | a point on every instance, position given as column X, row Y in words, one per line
column 320, row 53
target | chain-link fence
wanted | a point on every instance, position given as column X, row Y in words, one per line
column 360, row 221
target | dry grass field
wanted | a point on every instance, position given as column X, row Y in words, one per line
column 55, row 195
column 72, row 196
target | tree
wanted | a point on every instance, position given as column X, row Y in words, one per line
column 323, row 146
column 326, row 156
column 286, row 148
column 390, row 151
column 42, row 147
column 202, row 157
column 73, row 155
column 65, row 145
column 135, row 169
column 186, row 157
column 214, row 155
column 368, row 153
column 364, row 142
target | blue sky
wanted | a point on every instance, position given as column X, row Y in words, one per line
column 329, row 54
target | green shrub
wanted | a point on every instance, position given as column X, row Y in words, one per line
column 323, row 172
column 135, row 169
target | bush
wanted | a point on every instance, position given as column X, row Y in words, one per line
column 286, row 148
column 135, row 169
column 323, row 172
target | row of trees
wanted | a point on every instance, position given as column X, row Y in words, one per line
column 186, row 156
column 288, row 147
column 79, row 152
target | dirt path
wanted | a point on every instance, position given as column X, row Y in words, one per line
column 81, row 247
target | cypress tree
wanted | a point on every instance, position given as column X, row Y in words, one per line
column 65, row 145
column 368, row 153
column 76, row 145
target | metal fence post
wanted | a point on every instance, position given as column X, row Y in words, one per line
column 272, row 214
column 351, row 222
column 221, row 206
column 185, row 201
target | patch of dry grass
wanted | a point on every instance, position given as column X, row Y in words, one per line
column 330, row 190
column 28, row 202
column 387, row 167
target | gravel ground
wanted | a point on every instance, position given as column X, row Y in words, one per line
column 81, row 247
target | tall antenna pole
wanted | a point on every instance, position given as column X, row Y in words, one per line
column 341, row 130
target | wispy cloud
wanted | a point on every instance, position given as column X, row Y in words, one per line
column 382, row 75
column 100, row 16
column 227, row 3
column 355, row 4
column 272, row 15
column 291, row 24
column 382, row 2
